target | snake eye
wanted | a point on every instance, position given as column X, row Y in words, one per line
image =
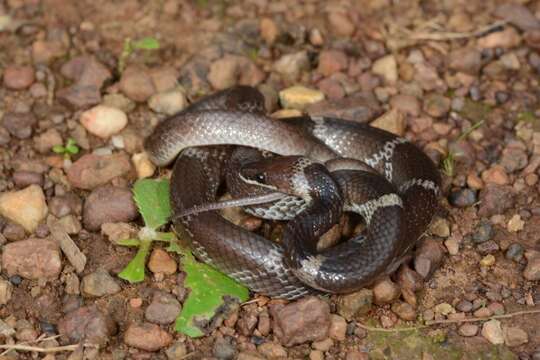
column 260, row 178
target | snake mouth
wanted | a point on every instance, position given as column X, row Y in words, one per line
column 244, row 201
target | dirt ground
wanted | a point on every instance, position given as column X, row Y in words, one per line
column 458, row 78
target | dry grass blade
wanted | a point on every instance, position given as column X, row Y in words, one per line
column 444, row 36
column 21, row 347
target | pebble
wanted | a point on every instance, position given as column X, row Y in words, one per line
column 119, row 101
column 269, row 30
column 91, row 170
column 514, row 336
column 444, row 309
column 462, row 198
column 340, row 24
column 45, row 141
column 404, row 310
column 428, row 257
column 488, row 260
column 483, row 232
column 515, row 223
column 338, row 327
column 316, row 355
column 483, row 312
column 99, row 283
column 518, row 15
column 272, row 350
column 464, row 306
column 386, row 67
column 103, row 121
column 357, row 303
column 223, row 349
column 89, row 324
column 26, row 207
column 163, row 309
column 264, row 323
column 108, row 204
column 148, row 337
column 491, row 330
column 176, row 351
column 32, row 259
column 406, row 104
column 118, row 231
column 169, row 102
column 532, row 270
column 496, row 199
column 440, row 227
column 298, row 97
column 392, row 121
column 302, row 321
column 232, row 70
column 508, row 38
column 249, row 355
column 356, row 355
column 291, row 66
column 331, row 88
column 323, row 345
column 136, row 83
column 5, row 137
column 6, row 289
column 64, row 205
column 161, row 262
column 385, row 291
column 468, row 330
column 436, row 105
column 495, row 175
column 332, row 61
column 143, row 166
column 19, row 125
column 14, row 232
column 316, row 38
column 359, row 107
column 466, row 59
column 18, row 77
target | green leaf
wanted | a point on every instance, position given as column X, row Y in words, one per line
column 134, row 271
column 147, row 43
column 129, row 242
column 152, row 199
column 208, row 288
column 58, row 149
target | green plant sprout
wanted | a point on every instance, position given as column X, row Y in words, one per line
column 130, row 46
column 67, row 150
column 210, row 289
column 448, row 164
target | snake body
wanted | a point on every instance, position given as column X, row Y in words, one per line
column 397, row 203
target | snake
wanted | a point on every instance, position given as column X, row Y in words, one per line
column 323, row 165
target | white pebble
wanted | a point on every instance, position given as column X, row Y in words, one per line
column 103, row 121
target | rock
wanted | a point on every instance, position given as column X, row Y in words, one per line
column 359, row 107
column 148, row 337
column 6, row 330
column 44, row 142
column 316, row 355
column 440, row 227
column 14, row 232
column 168, row 103
column 249, row 355
column 514, row 336
column 468, row 330
column 272, row 350
column 32, row 259
column 515, row 224
column 269, row 30
column 392, row 121
column 264, row 323
column 488, row 260
column 508, row 38
column 355, row 303
column 518, row 15
column 118, row 231
column 292, row 65
column 323, row 345
column 136, row 83
column 223, row 349
column 18, row 77
column 19, row 125
column 119, row 101
column 305, row 320
column 24, row 178
column 143, row 166
column 91, row 171
column 164, row 78
column 428, row 257
column 87, row 324
column 436, row 105
column 247, row 323
column 298, row 97
column 532, row 271
column 491, row 330
column 356, row 355
column 340, row 24
column 332, row 61
column 515, row 252
column 176, row 351
column 404, row 311
column 26, row 207
column 385, row 291
column 496, row 199
column 233, row 70
column 444, row 309
column 338, row 327
column 406, row 104
column 495, row 175
column 4, row 136
column 466, row 59
column 462, row 197
column 163, row 309
column 331, row 88
column 483, row 232
column 483, row 312
column 99, row 283
column 108, row 204
column 386, row 67
column 5, row 291
column 64, row 205
column 161, row 262
column 103, row 121
column 514, row 159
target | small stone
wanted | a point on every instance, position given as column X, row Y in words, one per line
column 452, row 245
column 14, row 232
column 532, row 271
column 518, row 15
column 18, row 77
column 404, row 310
column 47, row 140
column 356, row 355
column 144, row 167
column 305, row 320
column 466, row 59
column 440, row 227
column 392, row 121
column 163, row 309
column 272, row 350
column 357, row 303
column 119, row 101
column 136, row 83
column 103, row 121
column 496, row 199
column 323, row 345
column 91, row 170
column 19, row 125
column 385, row 291
column 338, row 328
column 161, row 262
column 483, row 232
column 316, row 37
column 468, row 330
column 269, row 30
column 168, row 103
column 508, row 38
column 292, row 65
column 148, row 337
column 316, row 355
column 491, row 330
column 436, row 105
column 488, row 260
column 108, row 204
column 483, row 312
column 406, row 104
column 495, row 175
column 514, row 336
column 32, row 259
column 6, row 290
column 298, row 97
column 515, row 252
column 515, row 224
column 359, row 107
column 386, row 67
column 99, row 283
column 340, row 24
column 332, row 61
column 264, row 323
column 223, row 349
column 176, row 351
column 464, row 306
column 428, row 257
column 462, row 198
column 88, row 324
column 444, row 309
column 233, row 70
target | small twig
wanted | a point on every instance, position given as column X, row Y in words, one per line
column 21, row 347
column 41, row 338
column 443, row 36
column 449, row 321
